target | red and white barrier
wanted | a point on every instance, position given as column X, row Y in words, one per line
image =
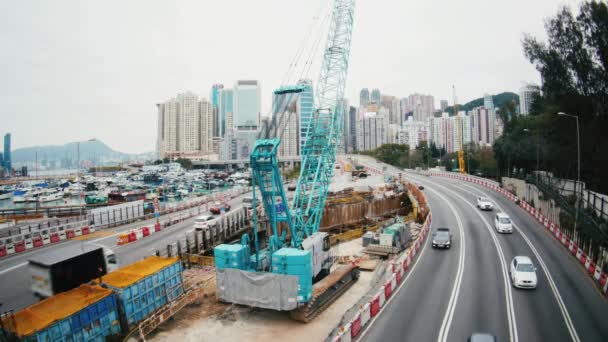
column 593, row 269
column 397, row 271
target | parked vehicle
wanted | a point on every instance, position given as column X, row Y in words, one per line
column 63, row 269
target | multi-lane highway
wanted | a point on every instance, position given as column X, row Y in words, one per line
column 15, row 279
column 453, row 293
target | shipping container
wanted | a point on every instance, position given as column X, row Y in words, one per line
column 86, row 313
column 145, row 286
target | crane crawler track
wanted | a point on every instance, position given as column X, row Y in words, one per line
column 326, row 292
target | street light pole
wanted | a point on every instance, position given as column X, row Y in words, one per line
column 578, row 177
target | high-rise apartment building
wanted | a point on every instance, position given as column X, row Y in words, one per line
column 351, row 145
column 168, row 125
column 364, row 97
column 416, row 131
column 8, row 164
column 371, row 127
column 444, row 105
column 185, row 127
column 376, row 96
column 450, row 132
column 394, row 108
column 527, row 94
column 483, row 126
column 246, row 105
column 423, row 106
column 206, row 131
column 189, row 122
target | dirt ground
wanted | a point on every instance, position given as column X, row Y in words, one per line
column 213, row 321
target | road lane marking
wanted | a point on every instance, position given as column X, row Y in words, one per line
column 513, row 334
column 13, row 267
column 449, row 313
column 403, row 282
column 552, row 285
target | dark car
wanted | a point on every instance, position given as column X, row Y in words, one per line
column 442, row 238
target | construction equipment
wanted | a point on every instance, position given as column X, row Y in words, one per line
column 295, row 247
column 461, row 163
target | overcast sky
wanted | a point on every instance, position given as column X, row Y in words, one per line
column 74, row 70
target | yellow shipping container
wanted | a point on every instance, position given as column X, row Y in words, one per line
column 132, row 273
column 56, row 308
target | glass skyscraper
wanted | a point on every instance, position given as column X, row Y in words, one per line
column 214, row 96
column 8, row 166
column 225, row 107
column 246, row 105
column 376, row 97
column 306, row 104
column 364, row 97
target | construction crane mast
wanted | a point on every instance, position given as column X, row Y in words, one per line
column 302, row 219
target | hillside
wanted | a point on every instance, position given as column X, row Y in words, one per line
column 499, row 101
column 92, row 150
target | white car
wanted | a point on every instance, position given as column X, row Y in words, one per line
column 484, row 203
column 502, row 223
column 202, row 221
column 523, row 273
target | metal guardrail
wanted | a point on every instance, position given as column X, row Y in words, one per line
column 585, row 219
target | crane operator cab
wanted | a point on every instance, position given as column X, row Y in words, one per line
column 319, row 246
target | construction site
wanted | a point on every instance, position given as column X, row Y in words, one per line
column 300, row 262
column 350, row 215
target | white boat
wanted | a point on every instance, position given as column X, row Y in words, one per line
column 19, row 199
column 55, row 196
column 6, row 194
column 171, row 195
column 32, row 196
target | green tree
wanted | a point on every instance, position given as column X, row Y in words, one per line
column 573, row 64
column 185, row 163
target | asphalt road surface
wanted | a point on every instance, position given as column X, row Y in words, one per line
column 437, row 303
column 15, row 291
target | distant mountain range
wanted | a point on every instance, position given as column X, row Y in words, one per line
column 89, row 150
column 498, row 99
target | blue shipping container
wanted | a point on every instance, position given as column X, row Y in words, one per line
column 141, row 298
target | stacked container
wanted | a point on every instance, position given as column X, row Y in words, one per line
column 145, row 286
column 231, row 256
column 297, row 262
column 86, row 313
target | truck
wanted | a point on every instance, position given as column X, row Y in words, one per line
column 65, row 268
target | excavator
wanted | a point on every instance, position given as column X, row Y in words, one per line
column 295, row 253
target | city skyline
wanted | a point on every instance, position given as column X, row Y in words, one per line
column 105, row 80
